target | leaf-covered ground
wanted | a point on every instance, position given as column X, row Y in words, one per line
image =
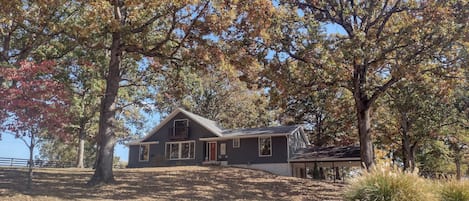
column 175, row 183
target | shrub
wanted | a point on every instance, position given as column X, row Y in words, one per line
column 387, row 183
column 455, row 191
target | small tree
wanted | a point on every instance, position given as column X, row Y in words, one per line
column 33, row 104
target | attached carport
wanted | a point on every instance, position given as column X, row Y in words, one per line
column 319, row 162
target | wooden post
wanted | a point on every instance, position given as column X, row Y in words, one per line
column 333, row 170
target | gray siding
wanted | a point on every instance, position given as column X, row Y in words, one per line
column 157, row 151
column 248, row 152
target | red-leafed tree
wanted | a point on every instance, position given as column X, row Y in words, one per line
column 33, row 104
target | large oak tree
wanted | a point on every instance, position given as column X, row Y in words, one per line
column 376, row 44
column 166, row 32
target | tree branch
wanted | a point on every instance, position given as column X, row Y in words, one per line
column 382, row 89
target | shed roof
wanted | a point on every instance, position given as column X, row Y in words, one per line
column 350, row 153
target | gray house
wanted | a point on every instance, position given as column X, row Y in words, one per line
column 184, row 138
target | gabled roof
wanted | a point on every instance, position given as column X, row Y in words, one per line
column 261, row 131
column 204, row 122
column 257, row 132
column 225, row 134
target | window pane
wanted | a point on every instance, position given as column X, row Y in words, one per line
column 236, row 143
column 222, row 149
column 144, row 152
column 265, row 146
column 191, row 150
column 180, row 128
column 185, row 150
column 174, row 151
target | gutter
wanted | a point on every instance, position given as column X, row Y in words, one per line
column 142, row 143
column 326, row 160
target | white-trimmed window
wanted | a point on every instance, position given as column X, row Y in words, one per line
column 180, row 128
column 144, row 152
column 223, row 149
column 180, row 150
column 236, row 143
column 265, row 146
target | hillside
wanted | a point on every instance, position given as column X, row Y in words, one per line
column 175, row 183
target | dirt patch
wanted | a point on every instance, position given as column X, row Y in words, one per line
column 174, row 183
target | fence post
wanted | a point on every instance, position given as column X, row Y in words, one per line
column 11, row 163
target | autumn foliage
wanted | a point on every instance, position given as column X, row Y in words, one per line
column 32, row 101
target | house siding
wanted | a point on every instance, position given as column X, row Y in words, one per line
column 248, row 152
column 157, row 151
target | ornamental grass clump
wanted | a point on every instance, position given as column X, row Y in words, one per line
column 387, row 183
column 454, row 191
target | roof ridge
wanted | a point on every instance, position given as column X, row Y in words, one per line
column 208, row 123
column 191, row 113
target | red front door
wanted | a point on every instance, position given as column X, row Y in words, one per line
column 212, row 151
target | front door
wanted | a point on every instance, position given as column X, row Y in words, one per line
column 212, row 151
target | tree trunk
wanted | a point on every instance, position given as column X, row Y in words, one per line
column 406, row 150
column 413, row 148
column 457, row 162
column 337, row 173
column 318, row 131
column 366, row 145
column 322, row 174
column 31, row 162
column 81, row 146
column 106, row 138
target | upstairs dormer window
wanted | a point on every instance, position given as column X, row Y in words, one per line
column 180, row 129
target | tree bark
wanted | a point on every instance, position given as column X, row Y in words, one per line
column 457, row 162
column 31, row 162
column 406, row 151
column 366, row 145
column 81, row 145
column 408, row 147
column 106, row 138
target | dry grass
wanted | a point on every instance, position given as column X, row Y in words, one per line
column 175, row 183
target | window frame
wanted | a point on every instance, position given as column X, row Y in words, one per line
column 174, row 126
column 140, row 153
column 222, row 149
column 236, row 140
column 180, row 147
column 260, row 140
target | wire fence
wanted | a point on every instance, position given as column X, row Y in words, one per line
column 20, row 162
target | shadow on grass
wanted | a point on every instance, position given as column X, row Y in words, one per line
column 190, row 183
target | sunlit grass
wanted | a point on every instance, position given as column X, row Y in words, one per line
column 387, row 183
column 454, row 191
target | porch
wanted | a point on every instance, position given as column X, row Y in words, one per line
column 325, row 163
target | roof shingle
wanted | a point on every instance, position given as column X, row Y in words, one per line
column 260, row 131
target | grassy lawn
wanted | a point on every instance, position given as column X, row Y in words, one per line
column 174, row 183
